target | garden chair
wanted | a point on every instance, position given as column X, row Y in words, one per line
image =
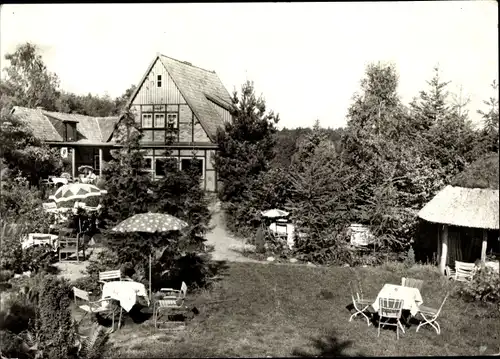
column 430, row 315
column 111, row 276
column 172, row 300
column 359, row 303
column 464, row 272
column 92, row 307
column 70, row 245
column 411, row 282
column 390, row 309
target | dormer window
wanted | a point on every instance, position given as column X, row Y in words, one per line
column 158, row 80
column 70, row 131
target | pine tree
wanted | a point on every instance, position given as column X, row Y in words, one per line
column 246, row 145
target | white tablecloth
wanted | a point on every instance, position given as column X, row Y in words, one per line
column 37, row 239
column 124, row 291
column 411, row 297
column 288, row 229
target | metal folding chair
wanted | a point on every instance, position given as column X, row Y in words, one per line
column 359, row 303
column 430, row 315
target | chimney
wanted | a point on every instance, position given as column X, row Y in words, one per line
column 157, row 54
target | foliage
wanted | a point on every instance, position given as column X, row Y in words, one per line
column 23, row 152
column 23, row 204
column 488, row 141
column 179, row 193
column 410, row 258
column 484, row 287
column 246, row 144
column 125, row 179
column 28, row 82
column 319, row 204
column 482, row 173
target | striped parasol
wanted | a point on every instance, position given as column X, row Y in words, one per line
column 76, row 191
column 274, row 213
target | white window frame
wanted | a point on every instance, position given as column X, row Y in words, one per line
column 151, row 170
column 142, row 120
column 163, row 157
column 190, row 158
column 157, row 115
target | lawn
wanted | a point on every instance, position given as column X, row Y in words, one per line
column 283, row 310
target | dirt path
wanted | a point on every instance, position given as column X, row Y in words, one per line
column 222, row 241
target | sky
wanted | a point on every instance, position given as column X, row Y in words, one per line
column 306, row 59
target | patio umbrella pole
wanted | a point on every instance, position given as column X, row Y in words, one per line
column 150, row 276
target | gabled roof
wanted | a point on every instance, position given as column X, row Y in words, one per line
column 40, row 125
column 198, row 86
column 466, row 207
column 90, row 130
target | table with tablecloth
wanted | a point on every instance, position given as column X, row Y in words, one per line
column 126, row 292
column 411, row 297
column 39, row 239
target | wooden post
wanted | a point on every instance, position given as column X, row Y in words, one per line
column 484, row 246
column 73, row 164
column 100, row 162
column 438, row 243
column 444, row 249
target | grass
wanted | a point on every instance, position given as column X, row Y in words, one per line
column 282, row 310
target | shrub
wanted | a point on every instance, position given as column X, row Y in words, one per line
column 6, row 275
column 410, row 258
column 484, row 287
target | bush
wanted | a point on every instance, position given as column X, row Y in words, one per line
column 410, row 258
column 6, row 275
column 484, row 287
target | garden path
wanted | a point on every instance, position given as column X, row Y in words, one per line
column 223, row 242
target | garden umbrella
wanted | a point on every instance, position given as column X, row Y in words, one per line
column 274, row 213
column 150, row 223
column 76, row 191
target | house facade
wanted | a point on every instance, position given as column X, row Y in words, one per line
column 178, row 108
column 191, row 101
column 83, row 140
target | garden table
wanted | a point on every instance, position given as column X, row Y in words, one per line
column 126, row 292
column 39, row 239
column 411, row 297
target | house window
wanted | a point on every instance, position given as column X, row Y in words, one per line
column 70, row 131
column 147, row 120
column 148, row 163
column 159, row 120
column 147, row 135
column 158, row 80
column 171, row 120
column 163, row 165
column 193, row 163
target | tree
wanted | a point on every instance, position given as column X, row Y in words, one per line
column 245, row 145
column 121, row 102
column 488, row 141
column 28, row 82
column 320, row 197
column 23, row 152
column 125, row 179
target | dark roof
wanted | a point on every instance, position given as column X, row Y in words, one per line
column 198, row 87
column 90, row 130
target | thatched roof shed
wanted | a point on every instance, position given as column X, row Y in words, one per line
column 465, row 207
